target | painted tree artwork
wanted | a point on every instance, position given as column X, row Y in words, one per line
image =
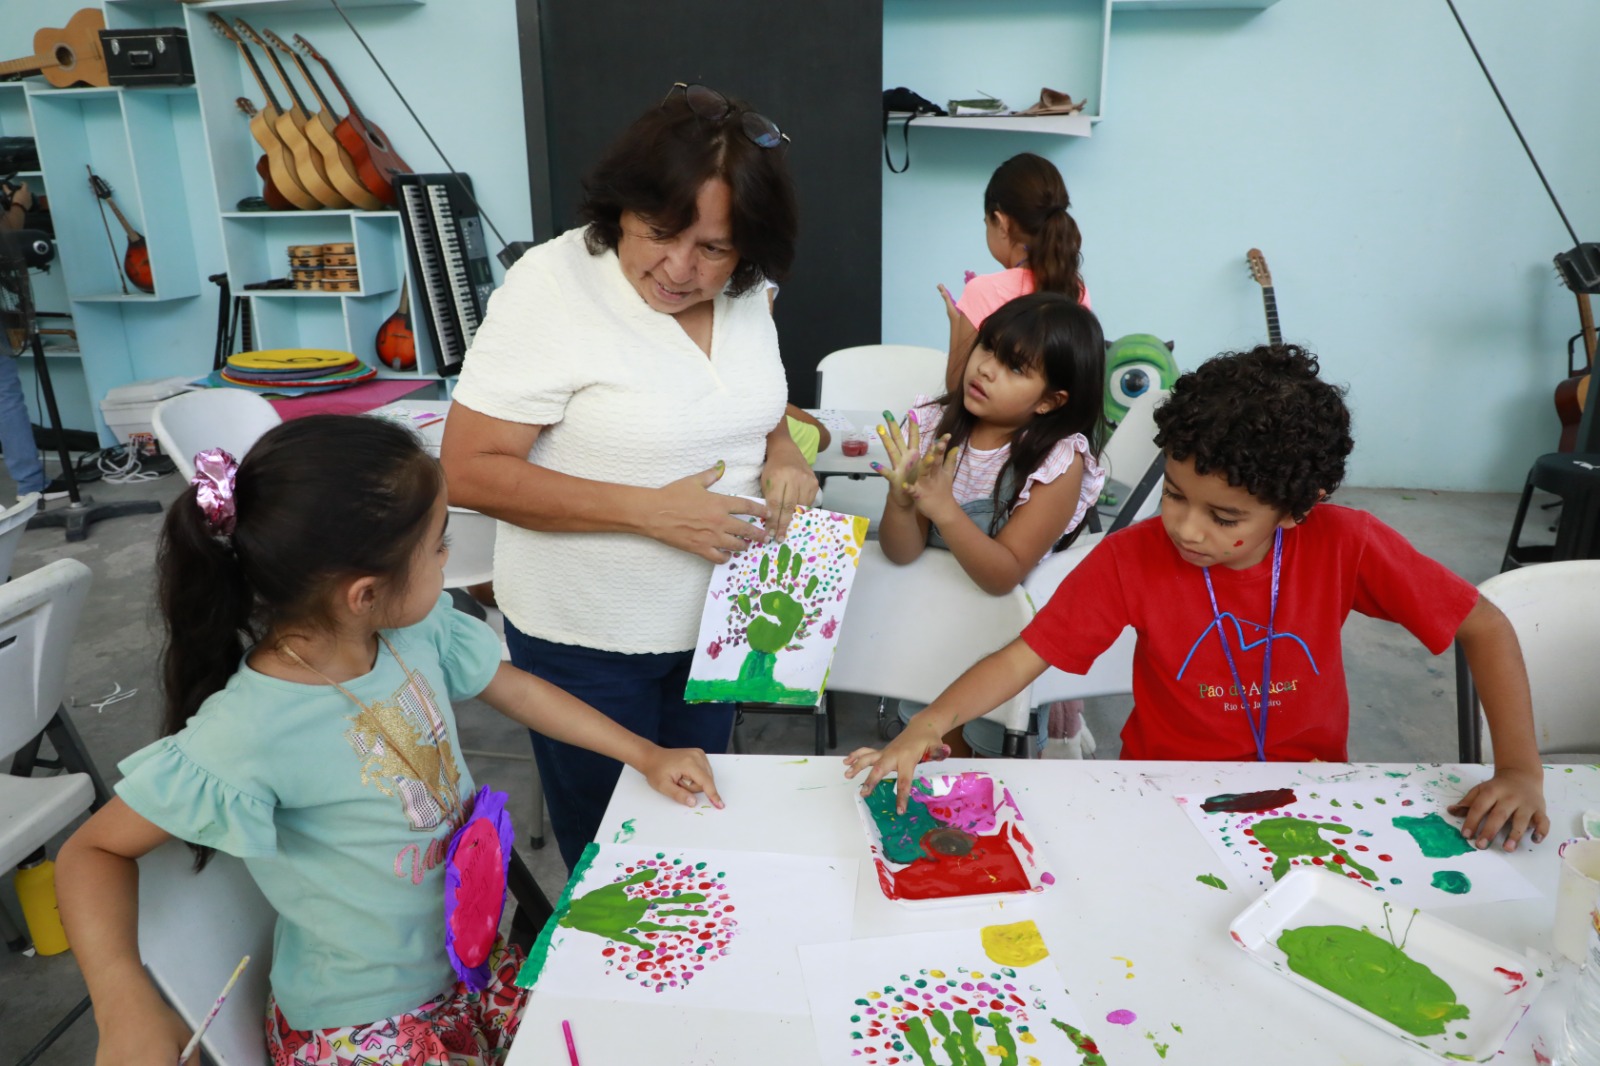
column 772, row 614
column 973, row 997
column 1395, row 837
column 704, row 928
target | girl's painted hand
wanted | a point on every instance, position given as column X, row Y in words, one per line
column 903, row 455
column 917, row 743
column 786, row 485
column 150, row 1036
column 691, row 518
column 933, row 491
column 1513, row 800
column 951, row 311
column 680, row 774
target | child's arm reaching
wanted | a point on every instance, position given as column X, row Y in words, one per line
column 678, row 773
column 1514, row 798
column 962, row 334
column 988, row 684
column 97, row 886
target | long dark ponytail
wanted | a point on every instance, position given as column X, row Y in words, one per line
column 1029, row 190
column 1063, row 339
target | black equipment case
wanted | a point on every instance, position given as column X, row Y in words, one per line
column 148, row 57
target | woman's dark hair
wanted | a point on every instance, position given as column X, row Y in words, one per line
column 1264, row 420
column 656, row 169
column 1029, row 189
column 1060, row 337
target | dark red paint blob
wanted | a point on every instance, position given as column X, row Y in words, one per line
column 1249, row 802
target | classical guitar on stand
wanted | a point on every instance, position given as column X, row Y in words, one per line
column 377, row 162
column 269, row 189
column 68, row 56
column 264, row 127
column 291, row 127
column 1580, row 271
column 337, row 161
column 1263, row 276
column 135, row 264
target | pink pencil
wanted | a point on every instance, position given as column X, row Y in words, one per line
column 572, row 1049
column 194, row 1041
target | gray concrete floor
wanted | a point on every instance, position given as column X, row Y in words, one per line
column 1402, row 699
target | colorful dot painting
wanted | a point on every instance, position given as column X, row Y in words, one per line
column 663, row 921
column 973, row 1016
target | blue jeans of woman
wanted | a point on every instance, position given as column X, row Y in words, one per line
column 642, row 693
column 16, row 432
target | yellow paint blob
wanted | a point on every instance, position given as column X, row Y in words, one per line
column 1128, row 962
column 1018, row 944
column 996, row 1051
column 1028, row 1038
column 935, row 973
column 1033, row 1061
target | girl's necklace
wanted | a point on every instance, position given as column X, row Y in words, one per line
column 448, row 798
column 1258, row 727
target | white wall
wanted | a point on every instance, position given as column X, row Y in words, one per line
column 1358, row 145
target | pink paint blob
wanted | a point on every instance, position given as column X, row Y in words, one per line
column 854, row 447
column 967, row 805
column 1122, row 1017
column 1047, row 878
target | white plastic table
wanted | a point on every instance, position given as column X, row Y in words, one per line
column 1126, row 858
column 831, row 460
column 426, row 417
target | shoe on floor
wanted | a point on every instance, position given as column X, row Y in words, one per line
column 56, row 490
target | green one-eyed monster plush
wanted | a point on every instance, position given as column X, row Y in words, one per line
column 1136, row 364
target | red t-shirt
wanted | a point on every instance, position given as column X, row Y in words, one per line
column 1185, row 702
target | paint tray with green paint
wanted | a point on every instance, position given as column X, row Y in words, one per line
column 960, row 841
column 1423, row 980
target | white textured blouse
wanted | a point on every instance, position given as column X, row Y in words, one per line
column 625, row 397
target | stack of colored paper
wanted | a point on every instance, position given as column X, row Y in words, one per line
column 300, row 369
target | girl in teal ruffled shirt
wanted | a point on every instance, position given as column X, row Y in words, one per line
column 308, row 670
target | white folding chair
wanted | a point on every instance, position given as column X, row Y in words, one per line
column 1112, row 672
column 13, row 522
column 471, row 560
column 211, row 418
column 1131, row 450
column 193, row 930
column 1555, row 610
column 889, row 644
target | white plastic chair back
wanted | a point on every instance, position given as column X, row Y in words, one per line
column 39, row 614
column 860, row 496
column 1132, row 447
column 13, row 522
column 877, row 376
column 471, row 560
column 1555, row 610
column 193, row 930
column 211, row 418
column 1112, row 672
column 909, row 631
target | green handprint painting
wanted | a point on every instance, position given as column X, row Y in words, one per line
column 772, row 614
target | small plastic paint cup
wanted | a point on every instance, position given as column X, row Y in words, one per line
column 1577, row 894
column 854, row 445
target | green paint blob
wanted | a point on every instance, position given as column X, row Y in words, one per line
column 902, row 833
column 1161, row 1049
column 1213, row 880
column 528, row 976
column 624, row 834
column 1088, row 1050
column 917, row 1037
column 1437, row 838
column 610, row 912
column 1452, row 881
column 1002, row 1036
column 1295, row 838
column 1373, row 974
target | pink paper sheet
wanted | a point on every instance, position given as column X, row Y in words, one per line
column 356, row 400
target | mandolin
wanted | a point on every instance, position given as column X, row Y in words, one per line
column 1263, row 276
column 269, row 189
column 68, row 56
column 136, row 259
column 1579, row 270
column 337, row 162
column 263, row 127
column 376, row 160
column 291, row 129
column 395, row 343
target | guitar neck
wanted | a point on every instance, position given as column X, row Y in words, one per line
column 30, row 65
column 404, row 310
column 296, row 105
column 1274, row 333
column 349, row 103
column 316, row 89
column 261, row 79
column 134, row 236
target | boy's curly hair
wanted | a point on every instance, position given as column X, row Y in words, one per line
column 1264, row 420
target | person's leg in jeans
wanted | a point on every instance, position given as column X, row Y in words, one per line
column 16, row 432
column 707, row 726
column 625, row 688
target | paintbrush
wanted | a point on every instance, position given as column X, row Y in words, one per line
column 194, row 1041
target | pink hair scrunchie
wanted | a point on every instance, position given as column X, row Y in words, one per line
column 214, row 474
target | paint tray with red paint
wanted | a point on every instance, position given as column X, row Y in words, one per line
column 960, row 841
column 1448, row 991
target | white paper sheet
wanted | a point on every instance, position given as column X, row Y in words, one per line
column 692, row 928
column 772, row 613
column 1393, row 836
column 990, row 995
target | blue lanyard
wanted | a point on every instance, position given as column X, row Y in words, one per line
column 1258, row 729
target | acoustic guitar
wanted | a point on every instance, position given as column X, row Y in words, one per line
column 337, row 162
column 1579, row 270
column 291, row 128
column 376, row 160
column 136, row 258
column 396, row 344
column 1263, row 276
column 68, row 56
column 263, row 127
column 269, row 190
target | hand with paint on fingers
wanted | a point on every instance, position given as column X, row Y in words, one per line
column 1513, row 800
column 904, row 456
column 933, row 491
column 691, row 518
column 951, row 311
column 610, row 912
column 680, row 774
column 787, row 485
column 919, row 741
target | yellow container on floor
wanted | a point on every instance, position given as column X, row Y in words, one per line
column 36, row 888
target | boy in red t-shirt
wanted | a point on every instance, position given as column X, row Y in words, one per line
column 1238, row 593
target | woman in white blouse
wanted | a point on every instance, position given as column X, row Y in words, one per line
column 622, row 394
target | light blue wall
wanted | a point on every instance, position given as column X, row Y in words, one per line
column 1358, row 145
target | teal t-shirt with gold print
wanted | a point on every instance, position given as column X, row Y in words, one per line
column 341, row 813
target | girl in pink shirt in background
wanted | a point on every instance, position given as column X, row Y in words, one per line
column 1032, row 235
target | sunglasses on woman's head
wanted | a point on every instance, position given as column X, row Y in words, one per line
column 714, row 107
